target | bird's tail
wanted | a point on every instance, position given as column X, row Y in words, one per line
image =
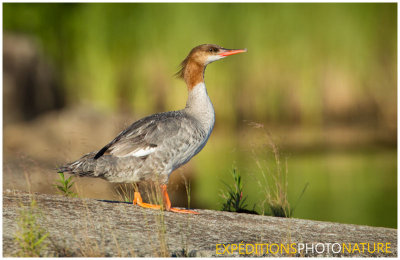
column 85, row 166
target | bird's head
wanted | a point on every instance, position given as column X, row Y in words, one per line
column 199, row 57
column 207, row 53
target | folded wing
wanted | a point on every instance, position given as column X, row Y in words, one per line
column 144, row 136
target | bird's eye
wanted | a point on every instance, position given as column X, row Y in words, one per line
column 211, row 50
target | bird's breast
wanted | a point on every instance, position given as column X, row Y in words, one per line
column 191, row 139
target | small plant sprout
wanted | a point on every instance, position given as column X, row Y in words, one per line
column 65, row 186
column 30, row 236
column 233, row 195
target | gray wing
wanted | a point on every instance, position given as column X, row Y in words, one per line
column 144, row 136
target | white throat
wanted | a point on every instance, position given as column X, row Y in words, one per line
column 213, row 58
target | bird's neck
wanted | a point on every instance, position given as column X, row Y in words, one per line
column 193, row 74
column 199, row 105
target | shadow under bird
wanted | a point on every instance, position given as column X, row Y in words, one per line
column 153, row 147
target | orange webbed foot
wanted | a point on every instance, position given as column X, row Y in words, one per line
column 167, row 203
column 185, row 211
column 137, row 200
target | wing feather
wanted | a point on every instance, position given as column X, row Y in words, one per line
column 144, row 136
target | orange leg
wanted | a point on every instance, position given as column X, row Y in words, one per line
column 167, row 203
column 137, row 200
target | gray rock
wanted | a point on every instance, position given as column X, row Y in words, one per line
column 88, row 227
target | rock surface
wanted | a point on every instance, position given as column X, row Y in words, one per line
column 88, row 227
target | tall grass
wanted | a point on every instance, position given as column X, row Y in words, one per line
column 125, row 191
column 275, row 193
column 272, row 179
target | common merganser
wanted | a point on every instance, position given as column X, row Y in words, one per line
column 153, row 147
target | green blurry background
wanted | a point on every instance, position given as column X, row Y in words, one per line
column 320, row 78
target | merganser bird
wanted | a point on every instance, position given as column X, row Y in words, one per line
column 151, row 148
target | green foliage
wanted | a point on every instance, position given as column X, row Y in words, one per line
column 30, row 236
column 123, row 56
column 65, row 186
column 233, row 195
